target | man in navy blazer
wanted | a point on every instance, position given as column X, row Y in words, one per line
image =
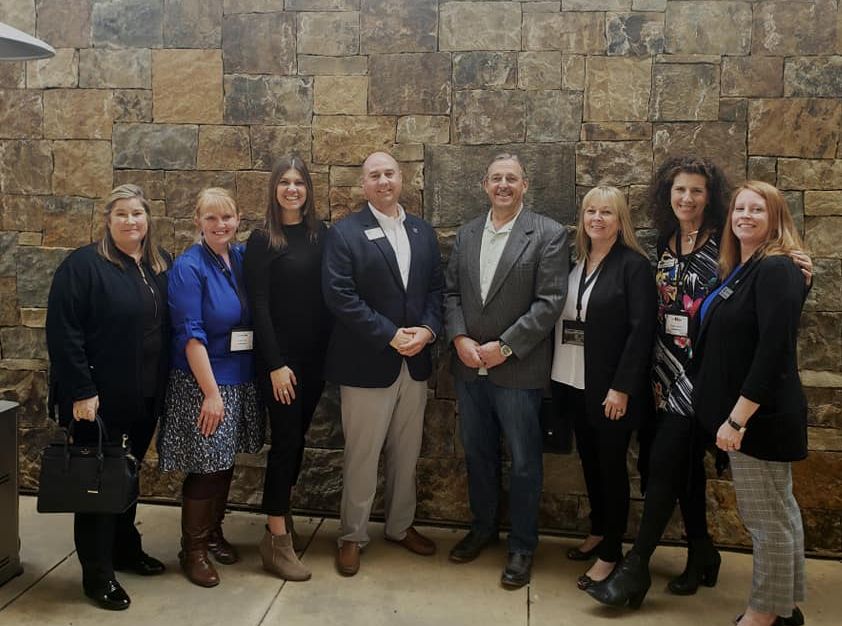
column 382, row 281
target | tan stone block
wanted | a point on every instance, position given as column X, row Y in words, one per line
column 484, row 70
column 817, row 481
column 82, row 168
column 318, row 5
column 223, row 148
column 685, row 92
column 417, row 82
column 708, row 27
column 424, row 129
column 68, row 222
column 553, row 115
column 348, row 140
column 615, row 163
column 341, row 176
column 617, row 88
column 8, row 302
column 249, row 6
column 616, row 131
column 809, row 174
column 129, row 68
column 132, row 105
column 187, row 86
column 29, row 239
column 733, row 109
column 798, row 127
column 539, row 70
column 150, row 181
column 785, row 28
column 158, row 208
column 19, row 14
column 321, row 194
column 489, row 116
column 182, row 188
column 270, row 143
column 259, row 43
column 822, row 236
column 573, row 72
column 472, row 26
column 825, row 439
column 21, row 114
column 12, row 75
column 62, row 70
column 408, row 151
column 26, row 167
column 332, row 66
column 344, row 29
column 649, row 5
column 596, row 5
column 724, row 142
column 823, row 202
column 251, row 193
column 576, row 33
column 753, row 76
column 22, row 212
column 65, row 23
column 340, row 95
column 344, row 201
column 78, row 113
column 762, row 168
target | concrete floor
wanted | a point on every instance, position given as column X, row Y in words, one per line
column 393, row 587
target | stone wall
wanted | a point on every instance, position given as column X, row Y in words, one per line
column 178, row 94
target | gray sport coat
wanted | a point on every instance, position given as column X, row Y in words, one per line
column 524, row 301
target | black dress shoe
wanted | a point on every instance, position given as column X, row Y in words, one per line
column 110, row 596
column 470, row 546
column 626, row 585
column 518, row 570
column 575, row 554
column 584, row 582
column 143, row 565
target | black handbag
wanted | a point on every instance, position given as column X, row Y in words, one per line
column 101, row 478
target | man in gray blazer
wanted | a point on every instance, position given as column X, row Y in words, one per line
column 505, row 287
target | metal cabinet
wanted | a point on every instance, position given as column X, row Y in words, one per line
column 9, row 530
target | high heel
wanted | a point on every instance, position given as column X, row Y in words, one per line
column 576, row 554
column 627, row 585
column 703, row 563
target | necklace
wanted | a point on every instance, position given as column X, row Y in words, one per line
column 691, row 236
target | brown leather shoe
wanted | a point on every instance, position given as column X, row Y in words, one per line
column 348, row 558
column 415, row 542
column 197, row 520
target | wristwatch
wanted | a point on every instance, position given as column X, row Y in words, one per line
column 505, row 350
column 736, row 426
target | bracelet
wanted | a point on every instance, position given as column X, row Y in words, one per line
column 736, row 426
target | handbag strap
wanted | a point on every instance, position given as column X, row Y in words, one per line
column 101, row 432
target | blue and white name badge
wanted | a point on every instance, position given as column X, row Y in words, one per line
column 677, row 324
column 375, row 233
column 242, row 339
column 664, row 264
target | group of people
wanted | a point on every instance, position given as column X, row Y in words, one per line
column 701, row 352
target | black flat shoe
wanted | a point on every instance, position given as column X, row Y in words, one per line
column 110, row 596
column 518, row 570
column 575, row 554
column 795, row 619
column 584, row 582
column 143, row 565
column 471, row 545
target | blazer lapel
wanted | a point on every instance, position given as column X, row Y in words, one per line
column 416, row 252
column 384, row 246
column 515, row 245
column 473, row 246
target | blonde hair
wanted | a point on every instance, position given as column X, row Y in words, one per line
column 150, row 254
column 782, row 238
column 213, row 198
column 617, row 201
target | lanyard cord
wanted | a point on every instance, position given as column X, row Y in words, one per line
column 584, row 283
column 235, row 284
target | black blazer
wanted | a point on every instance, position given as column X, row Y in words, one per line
column 363, row 289
column 95, row 338
column 746, row 345
column 619, row 335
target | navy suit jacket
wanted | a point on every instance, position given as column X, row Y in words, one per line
column 363, row 289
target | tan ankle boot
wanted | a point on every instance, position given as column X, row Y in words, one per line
column 298, row 542
column 279, row 557
column 197, row 520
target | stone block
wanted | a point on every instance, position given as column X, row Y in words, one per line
column 618, row 88
column 340, row 95
column 762, row 168
column 259, row 43
column 753, row 76
column 326, row 429
column 820, row 340
column 127, row 23
column 62, row 70
column 542, row 6
column 409, row 83
column 708, row 27
column 423, row 129
column 439, row 439
column 784, row 28
column 795, row 202
column 64, row 23
column 332, row 66
column 8, row 258
column 724, row 142
column 223, row 148
column 344, row 201
column 684, row 92
column 321, row 194
column 649, row 5
column 576, row 33
column 822, row 236
column 268, row 99
column 19, row 14
column 824, row 406
column 123, row 69
column 29, row 389
column 12, row 75
column 26, row 167
column 270, row 143
column 19, row 342
column 345, row 176
column 398, row 26
column 484, row 70
column 635, row 34
column 22, row 213
column 796, row 127
column 825, row 439
column 132, row 105
column 155, row 146
column 473, row 26
column 486, row 116
column 822, row 531
column 539, row 70
column 317, row 5
column 443, row 489
column 187, row 86
column 182, row 188
column 78, row 113
column 67, row 221
column 408, row 151
column 82, row 168
column 320, row 480
column 573, row 72
column 616, row 131
column 813, row 76
column 21, row 114
column 151, row 181
column 553, row 116
column 817, row 481
column 823, row 202
column 192, row 23
column 251, row 194
column 733, row 110
column 344, row 29
column 615, row 163
column 453, row 196
column 348, row 140
column 251, row 6
column 809, row 174
column 29, row 239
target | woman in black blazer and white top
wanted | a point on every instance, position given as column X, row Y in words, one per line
column 601, row 362
column 747, row 391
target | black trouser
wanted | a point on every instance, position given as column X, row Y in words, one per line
column 603, row 452
column 289, row 424
column 676, row 472
column 104, row 539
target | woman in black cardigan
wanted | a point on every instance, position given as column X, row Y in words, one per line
column 747, row 392
column 282, row 270
column 601, row 361
column 108, row 339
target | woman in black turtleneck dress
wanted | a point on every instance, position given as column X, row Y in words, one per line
column 282, row 271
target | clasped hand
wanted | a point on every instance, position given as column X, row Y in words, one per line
column 475, row 355
column 410, row 341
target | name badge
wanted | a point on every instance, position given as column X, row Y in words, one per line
column 375, row 233
column 242, row 340
column 667, row 263
column 572, row 333
column 677, row 324
column 725, row 293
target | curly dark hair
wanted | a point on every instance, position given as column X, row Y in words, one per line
column 661, row 187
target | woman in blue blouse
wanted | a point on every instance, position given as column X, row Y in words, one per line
column 212, row 406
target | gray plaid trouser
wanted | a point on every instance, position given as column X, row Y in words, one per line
column 772, row 516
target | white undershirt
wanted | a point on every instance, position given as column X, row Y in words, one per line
column 395, row 231
column 569, row 359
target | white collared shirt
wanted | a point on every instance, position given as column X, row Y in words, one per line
column 493, row 243
column 395, row 231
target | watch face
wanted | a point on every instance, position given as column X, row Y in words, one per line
column 505, row 350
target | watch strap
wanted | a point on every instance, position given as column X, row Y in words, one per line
column 736, row 426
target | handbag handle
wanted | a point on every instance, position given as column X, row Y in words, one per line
column 101, row 431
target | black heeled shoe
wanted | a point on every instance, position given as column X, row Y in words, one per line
column 575, row 554
column 627, row 585
column 703, row 562
column 143, row 565
column 110, row 596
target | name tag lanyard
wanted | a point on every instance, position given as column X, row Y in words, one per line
column 235, row 285
column 584, row 283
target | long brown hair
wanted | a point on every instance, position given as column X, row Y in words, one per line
column 149, row 251
column 781, row 238
column 272, row 222
column 617, row 201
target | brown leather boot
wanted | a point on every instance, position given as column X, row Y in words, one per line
column 279, row 557
column 197, row 520
column 218, row 546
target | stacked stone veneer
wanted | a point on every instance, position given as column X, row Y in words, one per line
column 176, row 95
